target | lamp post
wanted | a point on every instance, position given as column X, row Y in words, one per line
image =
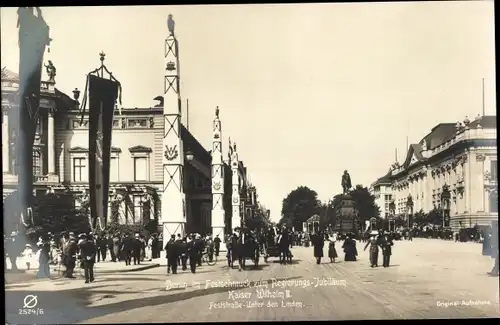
column 445, row 202
column 409, row 209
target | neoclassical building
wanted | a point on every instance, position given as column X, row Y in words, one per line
column 61, row 158
column 454, row 167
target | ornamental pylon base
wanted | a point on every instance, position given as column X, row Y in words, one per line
column 172, row 228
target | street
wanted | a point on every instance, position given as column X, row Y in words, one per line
column 428, row 279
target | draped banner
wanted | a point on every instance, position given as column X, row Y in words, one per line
column 33, row 39
column 103, row 94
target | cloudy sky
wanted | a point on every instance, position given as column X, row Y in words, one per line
column 306, row 91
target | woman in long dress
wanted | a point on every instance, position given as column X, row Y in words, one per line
column 350, row 251
column 373, row 242
column 332, row 252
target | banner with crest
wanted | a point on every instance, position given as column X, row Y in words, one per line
column 103, row 94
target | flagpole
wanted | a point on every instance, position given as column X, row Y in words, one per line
column 484, row 110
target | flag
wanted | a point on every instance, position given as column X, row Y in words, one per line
column 103, row 94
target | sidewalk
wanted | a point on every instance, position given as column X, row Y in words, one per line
column 107, row 267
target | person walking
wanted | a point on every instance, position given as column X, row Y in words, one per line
column 192, row 253
column 318, row 243
column 217, row 242
column 373, row 242
column 172, row 256
column 88, row 252
column 387, row 244
column 332, row 252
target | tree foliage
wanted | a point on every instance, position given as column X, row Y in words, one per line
column 299, row 205
column 364, row 203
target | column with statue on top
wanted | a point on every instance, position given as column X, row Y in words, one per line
column 218, row 212
column 235, row 197
column 173, row 209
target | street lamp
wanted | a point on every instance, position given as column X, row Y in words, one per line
column 189, row 155
column 445, row 202
column 409, row 210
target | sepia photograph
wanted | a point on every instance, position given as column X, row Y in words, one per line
column 249, row 162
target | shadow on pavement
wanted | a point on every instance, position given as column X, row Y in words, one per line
column 73, row 305
column 296, row 261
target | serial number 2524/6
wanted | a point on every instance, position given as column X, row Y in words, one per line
column 30, row 311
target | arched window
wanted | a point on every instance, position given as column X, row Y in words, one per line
column 37, row 162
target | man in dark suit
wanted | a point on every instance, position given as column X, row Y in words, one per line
column 217, row 242
column 69, row 255
column 88, row 252
column 172, row 256
column 126, row 249
column 136, row 248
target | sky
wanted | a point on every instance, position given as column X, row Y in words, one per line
column 305, row 90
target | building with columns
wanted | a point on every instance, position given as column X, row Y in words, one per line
column 136, row 170
column 454, row 167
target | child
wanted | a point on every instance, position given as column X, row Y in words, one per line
column 27, row 256
column 332, row 252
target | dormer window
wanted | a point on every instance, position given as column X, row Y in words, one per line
column 138, row 123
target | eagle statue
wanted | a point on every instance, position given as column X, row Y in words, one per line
column 171, row 24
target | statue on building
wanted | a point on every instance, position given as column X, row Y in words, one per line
column 51, row 71
column 171, row 24
column 346, row 182
column 424, row 145
column 217, row 112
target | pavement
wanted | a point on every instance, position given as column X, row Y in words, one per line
column 24, row 276
column 427, row 279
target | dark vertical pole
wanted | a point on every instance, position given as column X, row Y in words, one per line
column 484, row 109
column 187, row 114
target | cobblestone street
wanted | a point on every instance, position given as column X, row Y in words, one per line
column 428, row 279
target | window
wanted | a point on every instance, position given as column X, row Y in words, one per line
column 79, row 170
column 388, row 197
column 138, row 123
column 137, row 209
column 77, row 204
column 494, row 171
column 116, row 123
column 37, row 163
column 113, row 170
column 140, row 169
column 494, row 202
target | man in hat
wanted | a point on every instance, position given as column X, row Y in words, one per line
column 136, row 247
column 192, row 253
column 69, row 252
column 172, row 255
column 386, row 244
column 217, row 242
column 126, row 249
column 88, row 252
column 200, row 247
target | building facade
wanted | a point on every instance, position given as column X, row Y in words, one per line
column 61, row 159
column 453, row 168
column 382, row 190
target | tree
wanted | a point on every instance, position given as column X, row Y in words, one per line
column 299, row 205
column 420, row 218
column 364, row 203
column 435, row 216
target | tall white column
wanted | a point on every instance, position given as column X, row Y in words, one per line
column 218, row 213
column 51, row 152
column 5, row 139
column 236, row 217
column 173, row 206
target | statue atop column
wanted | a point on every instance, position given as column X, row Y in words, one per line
column 346, row 182
column 51, row 71
column 171, row 24
column 217, row 112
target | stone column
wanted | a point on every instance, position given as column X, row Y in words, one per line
column 5, row 139
column 236, row 217
column 481, row 191
column 51, row 138
column 173, row 205
column 218, row 212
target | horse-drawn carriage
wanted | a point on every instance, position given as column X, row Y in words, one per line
column 246, row 246
column 270, row 247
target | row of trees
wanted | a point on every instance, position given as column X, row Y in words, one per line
column 302, row 203
column 57, row 213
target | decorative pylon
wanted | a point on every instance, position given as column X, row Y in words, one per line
column 173, row 204
column 218, row 213
column 236, row 215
